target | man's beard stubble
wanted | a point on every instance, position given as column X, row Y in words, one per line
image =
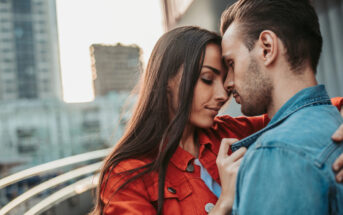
column 257, row 91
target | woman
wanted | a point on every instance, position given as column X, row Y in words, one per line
column 173, row 126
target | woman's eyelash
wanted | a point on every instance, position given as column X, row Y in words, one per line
column 206, row 81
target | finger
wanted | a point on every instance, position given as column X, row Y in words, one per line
column 224, row 146
column 338, row 135
column 238, row 162
column 342, row 110
column 238, row 154
column 339, row 176
column 338, row 164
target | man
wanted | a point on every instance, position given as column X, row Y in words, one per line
column 272, row 48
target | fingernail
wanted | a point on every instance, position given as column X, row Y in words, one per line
column 335, row 135
column 335, row 167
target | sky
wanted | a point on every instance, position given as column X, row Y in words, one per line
column 85, row 22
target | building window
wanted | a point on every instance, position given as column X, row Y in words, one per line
column 3, row 20
column 91, row 126
column 133, row 62
column 7, row 60
column 91, row 123
column 27, row 140
column 5, row 30
column 10, row 89
column 46, row 85
column 6, row 40
column 21, row 6
column 6, row 50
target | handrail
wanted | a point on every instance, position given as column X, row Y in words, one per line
column 76, row 188
column 11, row 179
column 49, row 184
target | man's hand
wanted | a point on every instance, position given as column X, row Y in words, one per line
column 338, row 164
column 228, row 168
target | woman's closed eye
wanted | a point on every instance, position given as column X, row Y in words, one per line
column 207, row 81
column 207, row 78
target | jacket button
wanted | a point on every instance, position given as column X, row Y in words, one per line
column 171, row 190
column 208, row 207
column 190, row 167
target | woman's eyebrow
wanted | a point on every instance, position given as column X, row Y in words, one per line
column 213, row 69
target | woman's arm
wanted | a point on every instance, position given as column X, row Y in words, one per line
column 228, row 168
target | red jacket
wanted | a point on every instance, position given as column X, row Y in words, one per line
column 185, row 192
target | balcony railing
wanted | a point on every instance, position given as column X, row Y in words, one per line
column 86, row 178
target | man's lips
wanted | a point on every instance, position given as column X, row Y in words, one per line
column 236, row 96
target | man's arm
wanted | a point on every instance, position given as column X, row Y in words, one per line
column 274, row 180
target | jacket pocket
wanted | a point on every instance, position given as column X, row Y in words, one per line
column 179, row 192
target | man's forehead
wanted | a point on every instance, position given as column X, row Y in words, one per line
column 231, row 38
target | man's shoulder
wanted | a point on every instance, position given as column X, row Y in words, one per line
column 315, row 123
column 307, row 132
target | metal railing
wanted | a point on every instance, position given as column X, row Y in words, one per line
column 64, row 193
column 4, row 182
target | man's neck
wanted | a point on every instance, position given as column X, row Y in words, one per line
column 286, row 85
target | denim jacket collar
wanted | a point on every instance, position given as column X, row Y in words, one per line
column 307, row 97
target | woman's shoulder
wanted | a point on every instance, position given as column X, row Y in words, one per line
column 121, row 173
column 130, row 164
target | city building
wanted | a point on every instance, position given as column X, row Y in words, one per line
column 115, row 67
column 206, row 14
column 38, row 131
column 29, row 53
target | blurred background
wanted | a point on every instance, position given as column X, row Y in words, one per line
column 67, row 69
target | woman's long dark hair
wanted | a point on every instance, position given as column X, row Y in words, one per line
column 150, row 133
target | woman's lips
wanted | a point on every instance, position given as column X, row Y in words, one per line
column 214, row 110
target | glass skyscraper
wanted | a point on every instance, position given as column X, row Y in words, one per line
column 29, row 59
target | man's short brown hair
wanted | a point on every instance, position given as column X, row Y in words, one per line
column 295, row 22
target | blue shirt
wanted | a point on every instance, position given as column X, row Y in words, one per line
column 208, row 180
column 287, row 167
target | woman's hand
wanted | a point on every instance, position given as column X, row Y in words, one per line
column 338, row 164
column 228, row 168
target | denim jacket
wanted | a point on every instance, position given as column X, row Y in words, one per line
column 287, row 167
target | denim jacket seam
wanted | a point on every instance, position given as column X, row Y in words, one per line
column 325, row 154
column 316, row 101
column 322, row 100
column 303, row 156
column 262, row 146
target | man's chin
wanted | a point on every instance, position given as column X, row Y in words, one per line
column 251, row 111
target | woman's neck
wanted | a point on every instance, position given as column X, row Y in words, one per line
column 187, row 141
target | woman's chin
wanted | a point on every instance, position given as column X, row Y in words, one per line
column 205, row 124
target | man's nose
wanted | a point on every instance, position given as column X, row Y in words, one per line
column 229, row 82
